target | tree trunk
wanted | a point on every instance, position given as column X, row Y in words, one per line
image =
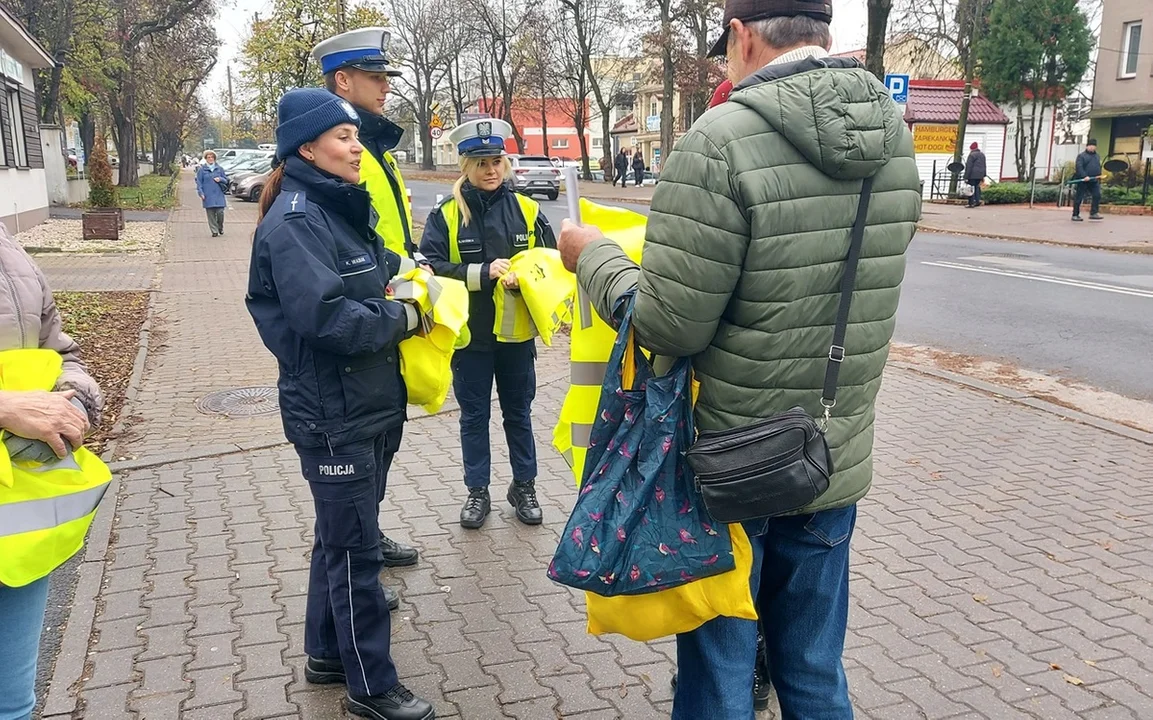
column 1019, row 154
column 124, row 119
column 668, row 73
column 875, row 42
column 543, row 118
column 87, row 123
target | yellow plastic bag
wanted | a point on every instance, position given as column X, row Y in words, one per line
column 668, row 612
column 546, row 288
column 425, row 359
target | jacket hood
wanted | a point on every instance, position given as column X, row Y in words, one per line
column 836, row 113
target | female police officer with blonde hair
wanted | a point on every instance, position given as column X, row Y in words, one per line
column 471, row 236
column 317, row 294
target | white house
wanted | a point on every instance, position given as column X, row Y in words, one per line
column 23, row 185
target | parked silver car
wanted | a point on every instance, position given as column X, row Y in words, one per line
column 535, row 174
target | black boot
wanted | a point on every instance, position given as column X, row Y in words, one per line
column 762, row 687
column 396, row 704
column 395, row 554
column 391, row 597
column 319, row 671
column 476, row 508
column 523, row 499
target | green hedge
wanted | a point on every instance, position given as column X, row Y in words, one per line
column 1010, row 193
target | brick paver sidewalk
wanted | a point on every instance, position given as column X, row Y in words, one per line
column 1049, row 224
column 1002, row 566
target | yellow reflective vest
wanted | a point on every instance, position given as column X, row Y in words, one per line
column 667, row 612
column 546, row 292
column 390, row 200
column 45, row 509
column 513, row 322
column 425, row 359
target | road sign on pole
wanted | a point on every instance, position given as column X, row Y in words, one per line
column 436, row 132
column 898, row 88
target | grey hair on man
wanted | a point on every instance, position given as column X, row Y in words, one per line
column 793, row 31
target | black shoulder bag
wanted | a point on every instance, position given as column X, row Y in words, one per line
column 779, row 465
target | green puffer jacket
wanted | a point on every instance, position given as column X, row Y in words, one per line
column 746, row 245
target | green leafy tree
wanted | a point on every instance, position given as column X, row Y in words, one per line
column 101, row 192
column 276, row 55
column 1034, row 53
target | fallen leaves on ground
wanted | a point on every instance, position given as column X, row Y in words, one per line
column 1072, row 680
column 981, row 598
column 107, row 327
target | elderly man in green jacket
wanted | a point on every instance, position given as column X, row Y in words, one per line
column 746, row 246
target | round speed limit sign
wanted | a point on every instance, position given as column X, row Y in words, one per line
column 436, row 133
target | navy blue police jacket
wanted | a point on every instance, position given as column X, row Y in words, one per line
column 497, row 230
column 316, row 287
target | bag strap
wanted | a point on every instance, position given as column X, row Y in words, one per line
column 848, row 282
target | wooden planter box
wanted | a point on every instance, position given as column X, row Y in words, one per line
column 103, row 223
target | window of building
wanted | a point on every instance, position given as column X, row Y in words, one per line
column 560, row 144
column 654, row 108
column 1131, row 49
column 16, row 129
column 598, row 143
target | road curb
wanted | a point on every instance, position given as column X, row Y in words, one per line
column 1023, row 398
column 68, row 666
column 1130, row 249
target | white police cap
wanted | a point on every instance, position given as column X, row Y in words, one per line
column 480, row 138
column 364, row 49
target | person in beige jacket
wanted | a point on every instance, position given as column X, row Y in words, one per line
column 38, row 425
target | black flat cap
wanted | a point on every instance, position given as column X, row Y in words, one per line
column 750, row 10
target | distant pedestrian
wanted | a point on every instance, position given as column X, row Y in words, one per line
column 638, row 167
column 211, row 183
column 975, row 171
column 622, row 167
column 1088, row 177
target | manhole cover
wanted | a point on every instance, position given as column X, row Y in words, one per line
column 240, row 402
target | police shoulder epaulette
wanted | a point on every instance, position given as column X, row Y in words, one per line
column 295, row 204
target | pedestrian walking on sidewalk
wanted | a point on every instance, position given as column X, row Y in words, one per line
column 316, row 293
column 638, row 167
column 471, row 236
column 356, row 68
column 211, row 185
column 39, row 427
column 975, row 171
column 1087, row 174
column 622, row 168
column 783, row 192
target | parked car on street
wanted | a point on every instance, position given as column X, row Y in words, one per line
column 649, row 178
column 246, row 169
column 535, row 174
column 251, row 186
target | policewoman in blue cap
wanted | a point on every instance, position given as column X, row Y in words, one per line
column 316, row 292
column 471, row 236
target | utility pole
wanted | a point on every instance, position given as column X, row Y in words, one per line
column 231, row 108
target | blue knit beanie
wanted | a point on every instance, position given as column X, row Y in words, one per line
column 305, row 114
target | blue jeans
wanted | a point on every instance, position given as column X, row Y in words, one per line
column 513, row 366
column 800, row 579
column 21, row 620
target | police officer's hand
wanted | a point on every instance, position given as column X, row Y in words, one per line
column 498, row 267
column 509, row 281
column 47, row 416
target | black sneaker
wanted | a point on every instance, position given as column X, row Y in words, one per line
column 1077, row 218
column 1096, row 216
column 391, row 597
column 396, row 704
column 319, row 671
column 522, row 496
column 476, row 508
column 762, row 689
column 396, row 554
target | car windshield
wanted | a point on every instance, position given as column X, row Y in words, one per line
column 534, row 162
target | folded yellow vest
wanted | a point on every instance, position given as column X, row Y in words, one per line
column 543, row 302
column 426, row 359
column 45, row 509
column 668, row 612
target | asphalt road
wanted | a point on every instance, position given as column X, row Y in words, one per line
column 1078, row 314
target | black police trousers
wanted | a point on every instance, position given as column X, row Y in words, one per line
column 346, row 616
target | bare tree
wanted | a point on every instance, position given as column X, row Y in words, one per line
column 876, row 35
column 425, row 55
column 548, row 39
column 501, row 26
column 698, row 75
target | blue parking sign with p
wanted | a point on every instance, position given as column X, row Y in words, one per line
column 898, row 88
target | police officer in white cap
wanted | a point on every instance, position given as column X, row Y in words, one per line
column 356, row 67
column 471, row 236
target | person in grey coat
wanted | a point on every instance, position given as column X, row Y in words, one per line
column 211, row 185
column 975, row 171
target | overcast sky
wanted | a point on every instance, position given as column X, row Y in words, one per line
column 234, row 16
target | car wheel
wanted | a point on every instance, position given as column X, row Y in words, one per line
column 254, row 196
column 553, row 195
